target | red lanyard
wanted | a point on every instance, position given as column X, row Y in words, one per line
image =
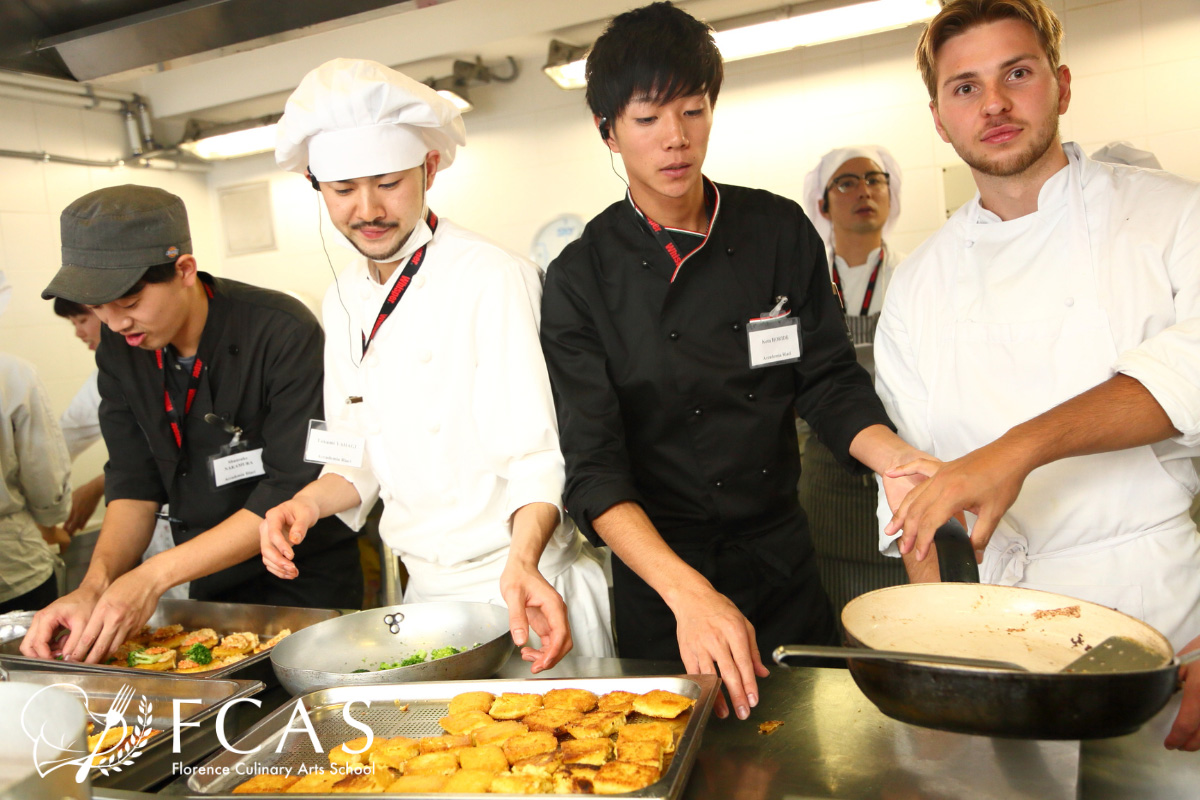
column 175, row 418
column 393, row 298
column 870, row 293
column 664, row 238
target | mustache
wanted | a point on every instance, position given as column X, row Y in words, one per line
column 360, row 225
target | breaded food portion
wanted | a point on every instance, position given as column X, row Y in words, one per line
column 552, row 720
column 418, row 784
column 204, row 636
column 597, row 725
column 393, row 752
column 520, row 784
column 120, row 656
column 664, row 705
column 586, row 751
column 524, row 745
column 165, row 659
column 619, row 701
column 512, row 705
column 372, row 781
column 274, row 640
column 316, row 782
column 545, row 764
column 471, row 701
column 187, row 665
column 438, row 744
column 580, row 700
column 498, row 733
column 142, row 636
column 617, row 777
column 648, row 732
column 167, row 636
column 575, row 779
column 236, row 644
column 341, row 756
column 442, row 763
column 465, row 722
column 488, row 758
column 266, row 784
column 647, row 753
column 468, row 781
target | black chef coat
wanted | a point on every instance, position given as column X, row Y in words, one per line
column 263, row 372
column 657, row 403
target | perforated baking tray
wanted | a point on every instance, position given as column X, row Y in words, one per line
column 413, row 710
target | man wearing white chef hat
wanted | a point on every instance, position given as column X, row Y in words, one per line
column 852, row 197
column 435, row 380
column 1045, row 343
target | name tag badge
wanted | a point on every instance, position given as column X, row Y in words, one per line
column 328, row 447
column 235, row 463
column 774, row 341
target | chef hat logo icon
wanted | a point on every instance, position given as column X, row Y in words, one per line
column 172, row 252
column 114, row 745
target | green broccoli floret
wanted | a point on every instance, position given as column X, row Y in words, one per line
column 418, row 657
column 129, row 659
column 364, row 670
column 442, row 652
column 199, row 654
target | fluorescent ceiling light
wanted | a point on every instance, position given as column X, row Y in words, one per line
column 819, row 27
column 246, row 142
column 459, row 100
column 774, row 36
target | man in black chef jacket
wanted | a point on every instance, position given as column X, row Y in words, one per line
column 207, row 387
column 682, row 332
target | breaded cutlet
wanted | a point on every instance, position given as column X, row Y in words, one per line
column 266, row 783
column 551, row 720
column 586, row 751
column 663, row 705
column 524, row 745
column 512, row 705
column 472, row 701
column 580, row 700
column 618, row 777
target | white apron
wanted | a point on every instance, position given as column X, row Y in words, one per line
column 1040, row 335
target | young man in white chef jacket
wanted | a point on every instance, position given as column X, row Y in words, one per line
column 1045, row 344
column 434, row 374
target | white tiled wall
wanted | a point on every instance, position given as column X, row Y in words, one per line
column 31, row 196
column 533, row 152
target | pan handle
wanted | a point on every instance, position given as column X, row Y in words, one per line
column 786, row 652
column 956, row 557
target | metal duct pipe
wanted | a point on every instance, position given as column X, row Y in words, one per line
column 153, row 162
column 53, row 86
column 57, row 98
column 134, row 132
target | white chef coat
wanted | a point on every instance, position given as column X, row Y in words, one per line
column 992, row 322
column 459, row 423
column 37, row 473
column 81, row 421
column 854, row 279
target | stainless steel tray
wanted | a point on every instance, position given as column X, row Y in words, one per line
column 224, row 618
column 426, row 703
column 201, row 702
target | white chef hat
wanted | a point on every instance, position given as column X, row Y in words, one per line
column 1125, row 153
column 351, row 118
column 816, row 181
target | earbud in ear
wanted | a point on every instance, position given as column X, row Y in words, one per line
column 604, row 128
column 313, row 180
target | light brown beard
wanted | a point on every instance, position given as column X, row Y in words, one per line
column 1015, row 163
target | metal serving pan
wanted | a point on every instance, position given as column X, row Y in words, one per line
column 326, row 654
column 224, row 618
column 201, row 703
column 413, row 709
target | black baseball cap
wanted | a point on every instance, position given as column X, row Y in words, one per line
column 111, row 236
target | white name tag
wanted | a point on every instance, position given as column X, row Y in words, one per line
column 774, row 341
column 327, row 447
column 237, row 467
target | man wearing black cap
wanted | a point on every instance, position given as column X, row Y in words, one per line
column 207, row 387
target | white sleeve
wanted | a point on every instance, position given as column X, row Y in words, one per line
column 81, row 421
column 44, row 467
column 1168, row 363
column 903, row 392
column 515, row 416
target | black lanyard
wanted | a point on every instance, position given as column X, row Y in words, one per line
column 393, row 299
column 174, row 417
column 870, row 293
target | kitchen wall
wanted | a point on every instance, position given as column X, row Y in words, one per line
column 533, row 153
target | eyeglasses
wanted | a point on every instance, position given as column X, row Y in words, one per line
column 849, row 182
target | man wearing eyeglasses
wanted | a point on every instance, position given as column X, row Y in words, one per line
column 853, row 198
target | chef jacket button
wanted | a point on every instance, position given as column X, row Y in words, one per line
column 737, row 326
column 765, row 471
column 969, row 243
column 697, row 411
column 645, row 265
column 751, row 396
column 425, row 356
column 1070, row 302
column 719, row 484
column 435, row 427
column 674, row 336
column 728, row 251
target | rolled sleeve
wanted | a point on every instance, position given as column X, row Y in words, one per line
column 591, row 429
column 364, row 482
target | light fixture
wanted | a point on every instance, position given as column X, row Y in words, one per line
column 220, row 141
column 565, row 64
column 455, row 87
column 737, row 40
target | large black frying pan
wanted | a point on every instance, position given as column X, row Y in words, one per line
column 1038, row 630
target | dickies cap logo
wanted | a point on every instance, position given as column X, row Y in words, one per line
column 172, row 252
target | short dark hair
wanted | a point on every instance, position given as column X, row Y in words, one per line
column 658, row 51
column 69, row 308
column 160, row 273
